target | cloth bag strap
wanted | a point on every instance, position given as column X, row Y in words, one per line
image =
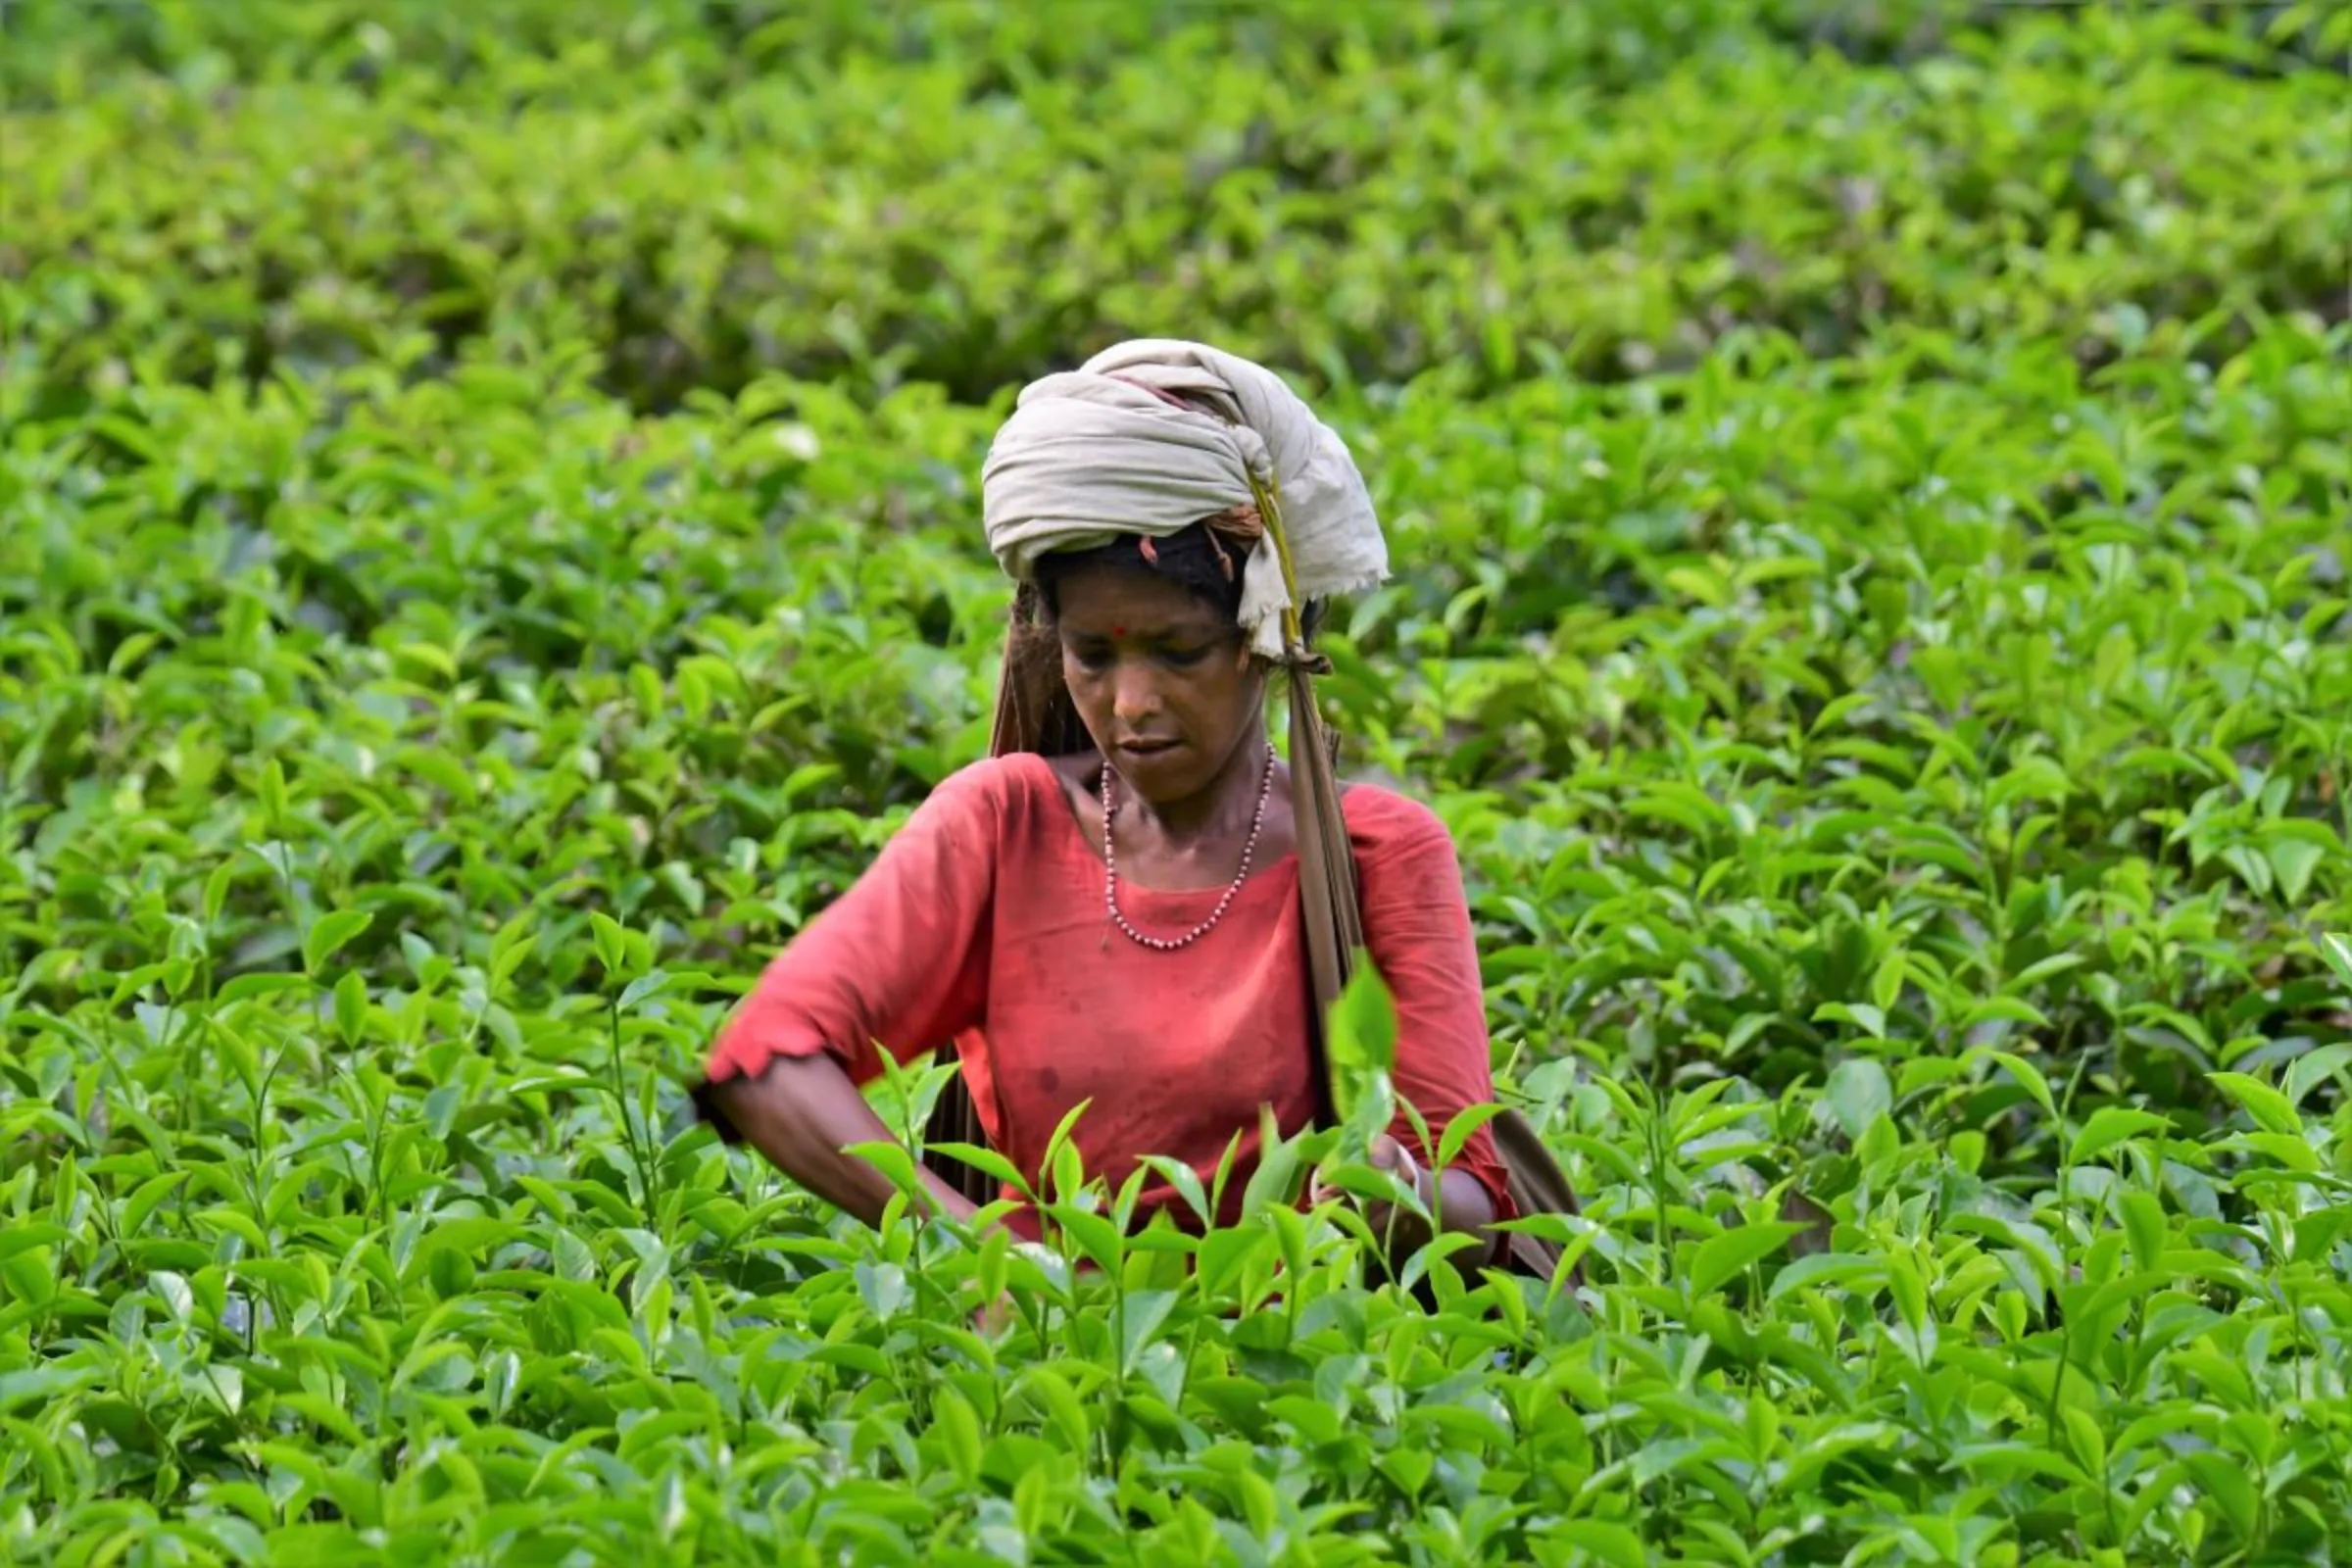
column 1333, row 924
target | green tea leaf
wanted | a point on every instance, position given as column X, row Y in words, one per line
column 1144, row 1313
column 884, row 1289
column 143, row 1202
column 959, row 1427
column 2293, row 862
column 2272, row 1110
column 351, row 1008
column 2109, row 1126
column 1823, row 1270
column 1859, row 1094
column 2028, row 1075
column 2335, row 950
column 2222, row 1479
column 891, row 1158
column 2315, row 1067
column 332, row 932
column 37, row 1386
column 610, row 942
column 1462, row 1128
column 1360, row 1036
column 1718, row 1259
column 245, row 987
column 1065, row 1414
column 2143, row 1223
column 986, row 1159
column 650, row 984
column 1602, row 1542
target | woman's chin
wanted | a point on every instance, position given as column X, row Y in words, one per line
column 1137, row 762
column 1160, row 778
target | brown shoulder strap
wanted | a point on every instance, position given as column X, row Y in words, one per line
column 1333, row 926
column 1332, row 916
column 1332, row 923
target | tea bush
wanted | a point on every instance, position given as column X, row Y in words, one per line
column 491, row 547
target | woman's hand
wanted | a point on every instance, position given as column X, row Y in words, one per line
column 994, row 1317
column 804, row 1114
column 1455, row 1199
column 1389, row 1157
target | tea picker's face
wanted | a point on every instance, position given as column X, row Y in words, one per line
column 1163, row 682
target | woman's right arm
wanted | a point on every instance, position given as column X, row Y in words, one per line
column 898, row 963
column 803, row 1113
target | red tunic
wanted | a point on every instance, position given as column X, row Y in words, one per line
column 982, row 920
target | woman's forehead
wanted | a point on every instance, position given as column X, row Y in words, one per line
column 1132, row 604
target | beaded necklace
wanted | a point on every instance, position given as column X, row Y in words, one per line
column 1111, row 867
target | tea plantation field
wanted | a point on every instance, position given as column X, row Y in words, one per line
column 489, row 545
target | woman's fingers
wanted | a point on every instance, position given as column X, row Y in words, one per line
column 1385, row 1154
column 992, row 1319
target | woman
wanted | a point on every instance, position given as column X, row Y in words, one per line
column 1115, row 918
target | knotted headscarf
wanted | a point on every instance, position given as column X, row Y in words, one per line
column 1156, row 434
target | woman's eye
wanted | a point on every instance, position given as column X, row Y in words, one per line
column 1185, row 657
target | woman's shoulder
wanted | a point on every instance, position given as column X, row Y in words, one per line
column 1384, row 819
column 1017, row 797
column 1012, row 781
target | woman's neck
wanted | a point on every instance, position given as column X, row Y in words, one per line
column 1221, row 809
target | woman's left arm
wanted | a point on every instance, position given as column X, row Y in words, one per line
column 1417, row 930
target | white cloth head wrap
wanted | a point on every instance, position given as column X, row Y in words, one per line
column 1093, row 454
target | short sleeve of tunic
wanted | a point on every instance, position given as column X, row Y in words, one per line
column 898, row 962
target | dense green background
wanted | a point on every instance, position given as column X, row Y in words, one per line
column 488, row 545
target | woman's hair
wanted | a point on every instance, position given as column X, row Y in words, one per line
column 1205, row 559
column 1194, row 560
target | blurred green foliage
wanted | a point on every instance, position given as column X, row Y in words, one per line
column 969, row 194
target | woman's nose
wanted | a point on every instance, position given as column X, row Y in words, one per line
column 1134, row 694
